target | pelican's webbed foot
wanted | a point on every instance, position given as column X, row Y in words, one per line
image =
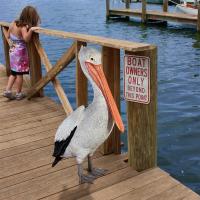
column 84, row 178
column 96, row 172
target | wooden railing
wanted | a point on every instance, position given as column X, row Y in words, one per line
column 163, row 15
column 141, row 117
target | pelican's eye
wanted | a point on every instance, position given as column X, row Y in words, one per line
column 92, row 59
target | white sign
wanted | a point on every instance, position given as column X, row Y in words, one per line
column 137, row 78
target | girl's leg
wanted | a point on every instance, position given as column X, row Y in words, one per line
column 11, row 81
column 19, row 83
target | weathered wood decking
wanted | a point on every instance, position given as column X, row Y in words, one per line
column 27, row 131
column 155, row 15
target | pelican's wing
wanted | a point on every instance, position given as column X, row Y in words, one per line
column 67, row 126
column 66, row 131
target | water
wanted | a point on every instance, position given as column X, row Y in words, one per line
column 178, row 72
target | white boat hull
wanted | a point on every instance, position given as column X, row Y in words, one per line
column 187, row 10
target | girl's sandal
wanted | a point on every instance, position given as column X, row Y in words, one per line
column 8, row 95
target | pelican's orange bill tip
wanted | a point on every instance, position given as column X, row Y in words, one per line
column 97, row 74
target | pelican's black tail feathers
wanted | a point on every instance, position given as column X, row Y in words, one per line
column 60, row 147
column 57, row 159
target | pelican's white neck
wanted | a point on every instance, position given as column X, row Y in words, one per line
column 98, row 95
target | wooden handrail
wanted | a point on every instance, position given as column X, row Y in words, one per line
column 103, row 41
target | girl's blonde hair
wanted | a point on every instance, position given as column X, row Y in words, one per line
column 29, row 16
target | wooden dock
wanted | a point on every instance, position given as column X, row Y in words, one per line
column 26, row 143
column 155, row 15
column 27, row 130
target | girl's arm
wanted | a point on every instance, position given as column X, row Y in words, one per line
column 7, row 34
column 26, row 35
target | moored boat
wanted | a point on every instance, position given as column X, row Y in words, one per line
column 187, row 7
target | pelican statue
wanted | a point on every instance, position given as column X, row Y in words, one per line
column 85, row 129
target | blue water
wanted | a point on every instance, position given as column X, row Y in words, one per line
column 178, row 72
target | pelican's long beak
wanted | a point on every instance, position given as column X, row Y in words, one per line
column 97, row 74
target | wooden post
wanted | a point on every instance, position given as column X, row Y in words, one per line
column 35, row 64
column 127, row 4
column 6, row 51
column 107, row 9
column 81, row 80
column 142, row 144
column 111, row 64
column 165, row 5
column 127, row 7
column 198, row 19
column 144, row 18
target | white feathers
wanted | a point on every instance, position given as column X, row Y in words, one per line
column 90, row 55
column 94, row 123
column 69, row 124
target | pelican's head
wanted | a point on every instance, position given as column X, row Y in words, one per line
column 90, row 60
column 88, row 55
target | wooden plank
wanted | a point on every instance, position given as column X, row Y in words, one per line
column 107, row 8
column 59, row 90
column 165, row 5
column 127, row 4
column 81, row 80
column 44, row 115
column 16, row 132
column 142, row 143
column 28, row 115
column 12, row 182
column 45, row 102
column 111, row 65
column 46, row 141
column 26, row 161
column 117, row 97
column 99, row 184
column 103, row 41
column 33, row 108
column 144, row 11
column 150, row 190
column 2, row 70
column 52, row 183
column 26, row 109
column 35, row 64
column 175, row 193
column 14, row 121
column 67, row 57
column 127, row 186
column 31, row 130
column 191, row 196
column 156, row 15
column 6, row 51
column 54, row 113
column 28, row 139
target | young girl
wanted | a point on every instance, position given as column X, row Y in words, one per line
column 19, row 33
